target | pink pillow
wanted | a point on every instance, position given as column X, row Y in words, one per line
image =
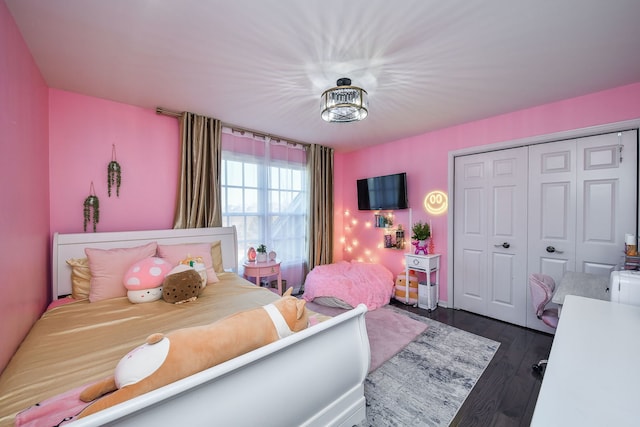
column 176, row 253
column 108, row 267
column 146, row 274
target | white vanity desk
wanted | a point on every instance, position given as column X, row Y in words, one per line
column 593, row 374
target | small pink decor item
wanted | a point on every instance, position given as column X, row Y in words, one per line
column 432, row 246
column 421, row 246
column 251, row 254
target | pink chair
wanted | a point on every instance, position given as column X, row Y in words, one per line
column 542, row 287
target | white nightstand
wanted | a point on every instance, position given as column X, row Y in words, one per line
column 428, row 264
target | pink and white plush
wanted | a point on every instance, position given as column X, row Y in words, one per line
column 352, row 282
column 144, row 278
column 163, row 359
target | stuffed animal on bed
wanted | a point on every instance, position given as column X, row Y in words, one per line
column 143, row 279
column 182, row 284
column 164, row 359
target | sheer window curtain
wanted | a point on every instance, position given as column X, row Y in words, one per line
column 198, row 201
column 265, row 195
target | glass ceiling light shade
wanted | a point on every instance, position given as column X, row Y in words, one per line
column 344, row 103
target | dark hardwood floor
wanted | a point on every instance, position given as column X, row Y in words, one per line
column 506, row 393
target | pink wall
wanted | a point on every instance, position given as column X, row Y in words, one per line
column 54, row 143
column 24, row 189
column 82, row 132
column 425, row 159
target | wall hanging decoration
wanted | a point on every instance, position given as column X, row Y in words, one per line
column 91, row 203
column 114, row 173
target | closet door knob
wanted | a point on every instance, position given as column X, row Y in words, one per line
column 505, row 245
column 551, row 250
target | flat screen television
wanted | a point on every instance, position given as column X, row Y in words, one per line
column 383, row 192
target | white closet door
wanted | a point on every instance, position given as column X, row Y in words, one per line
column 552, row 208
column 607, row 182
column 490, row 232
column 582, row 201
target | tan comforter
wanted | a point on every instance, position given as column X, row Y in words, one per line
column 82, row 342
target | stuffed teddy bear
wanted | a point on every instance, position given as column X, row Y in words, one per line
column 164, row 359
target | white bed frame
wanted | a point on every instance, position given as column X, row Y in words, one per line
column 312, row 378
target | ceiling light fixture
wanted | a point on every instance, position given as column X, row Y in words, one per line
column 344, row 103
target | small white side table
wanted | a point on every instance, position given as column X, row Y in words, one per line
column 426, row 263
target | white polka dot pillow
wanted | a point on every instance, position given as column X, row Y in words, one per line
column 145, row 275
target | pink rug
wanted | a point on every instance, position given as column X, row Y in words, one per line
column 388, row 331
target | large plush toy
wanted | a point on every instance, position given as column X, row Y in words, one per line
column 144, row 279
column 164, row 359
column 182, row 284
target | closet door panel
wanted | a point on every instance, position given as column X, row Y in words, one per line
column 472, row 291
column 607, row 182
column 490, row 227
column 502, row 292
column 470, row 234
column 552, row 209
column 582, row 199
column 508, row 236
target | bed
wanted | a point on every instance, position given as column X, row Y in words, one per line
column 346, row 284
column 293, row 381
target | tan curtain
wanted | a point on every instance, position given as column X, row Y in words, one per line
column 321, row 208
column 198, row 203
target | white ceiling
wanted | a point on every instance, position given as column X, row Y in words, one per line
column 262, row 65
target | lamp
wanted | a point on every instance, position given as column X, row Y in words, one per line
column 344, row 103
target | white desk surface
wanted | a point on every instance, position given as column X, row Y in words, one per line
column 593, row 374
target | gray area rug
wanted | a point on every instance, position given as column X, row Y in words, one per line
column 389, row 330
column 426, row 383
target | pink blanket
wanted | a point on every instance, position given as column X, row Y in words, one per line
column 352, row 282
column 56, row 411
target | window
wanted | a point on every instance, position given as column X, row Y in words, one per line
column 264, row 194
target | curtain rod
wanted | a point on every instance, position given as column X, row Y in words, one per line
column 165, row 112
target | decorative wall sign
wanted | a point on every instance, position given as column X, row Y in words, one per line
column 436, row 202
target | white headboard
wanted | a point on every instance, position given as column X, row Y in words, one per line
column 67, row 246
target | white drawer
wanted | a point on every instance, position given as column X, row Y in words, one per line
column 418, row 262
